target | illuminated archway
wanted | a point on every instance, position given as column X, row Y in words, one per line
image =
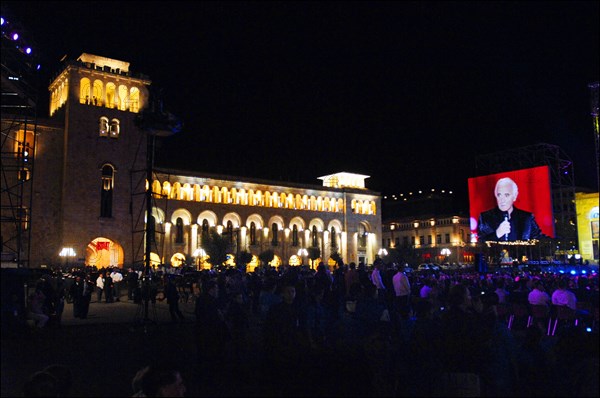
column 177, row 260
column 103, row 253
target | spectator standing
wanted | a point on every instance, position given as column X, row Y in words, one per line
column 117, row 278
column 132, row 283
column 172, row 295
column 36, row 308
column 99, row 286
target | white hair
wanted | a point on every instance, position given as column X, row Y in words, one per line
column 508, row 181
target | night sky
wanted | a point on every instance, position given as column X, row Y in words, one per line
column 405, row 92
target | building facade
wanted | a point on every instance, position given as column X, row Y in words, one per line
column 94, row 164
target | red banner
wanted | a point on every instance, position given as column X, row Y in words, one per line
column 102, row 245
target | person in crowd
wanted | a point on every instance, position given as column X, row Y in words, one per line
column 538, row 295
column 212, row 334
column 108, row 287
column 14, row 315
column 63, row 376
column 563, row 296
column 117, row 278
column 351, row 277
column 36, row 310
column 506, row 222
column 285, row 344
column 377, row 279
column 81, row 291
column 402, row 289
column 99, row 286
column 238, row 323
column 267, row 297
column 159, row 380
column 41, row 384
column 132, row 283
column 172, row 295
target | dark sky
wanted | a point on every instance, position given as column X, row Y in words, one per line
column 405, row 92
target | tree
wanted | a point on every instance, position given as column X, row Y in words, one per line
column 313, row 253
column 266, row 257
column 335, row 256
column 216, row 247
column 242, row 260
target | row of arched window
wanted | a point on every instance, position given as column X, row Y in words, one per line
column 110, row 95
column 252, row 233
column 251, row 197
column 97, row 93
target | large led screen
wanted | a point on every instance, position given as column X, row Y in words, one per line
column 513, row 206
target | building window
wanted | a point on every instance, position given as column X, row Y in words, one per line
column 179, row 230
column 405, row 241
column 438, row 239
column 429, row 241
column 333, row 238
column 275, row 230
column 205, row 227
column 115, row 128
column 230, row 231
column 106, row 191
column 315, row 238
column 447, row 238
column 413, row 241
column 422, row 239
column 295, row 235
column 103, row 127
column 252, row 233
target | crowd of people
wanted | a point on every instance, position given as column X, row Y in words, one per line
column 410, row 333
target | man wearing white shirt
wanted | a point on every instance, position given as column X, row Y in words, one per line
column 117, row 278
column 401, row 289
column 538, row 295
column 563, row 296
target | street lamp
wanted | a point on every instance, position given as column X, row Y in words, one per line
column 382, row 252
column 446, row 253
column 302, row 253
column 67, row 252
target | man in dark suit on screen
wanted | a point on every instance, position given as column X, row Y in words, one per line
column 505, row 222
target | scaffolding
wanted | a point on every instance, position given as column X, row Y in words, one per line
column 19, row 125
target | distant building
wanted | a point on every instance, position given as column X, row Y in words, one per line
column 82, row 176
column 587, row 226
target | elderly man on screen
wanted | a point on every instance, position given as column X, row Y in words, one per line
column 506, row 222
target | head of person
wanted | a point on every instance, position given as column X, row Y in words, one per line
column 506, row 193
column 288, row 293
column 162, row 381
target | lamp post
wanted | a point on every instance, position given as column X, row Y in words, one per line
column 382, row 252
column 302, row 253
column 446, row 253
column 67, row 252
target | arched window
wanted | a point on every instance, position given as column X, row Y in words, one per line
column 275, row 230
column 85, row 91
column 115, row 128
column 362, row 236
column 179, row 230
column 315, row 238
column 103, row 126
column 230, row 231
column 252, row 233
column 106, row 191
column 205, row 227
column 295, row 235
column 111, row 94
column 333, row 238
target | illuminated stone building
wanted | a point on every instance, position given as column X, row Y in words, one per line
column 87, row 172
